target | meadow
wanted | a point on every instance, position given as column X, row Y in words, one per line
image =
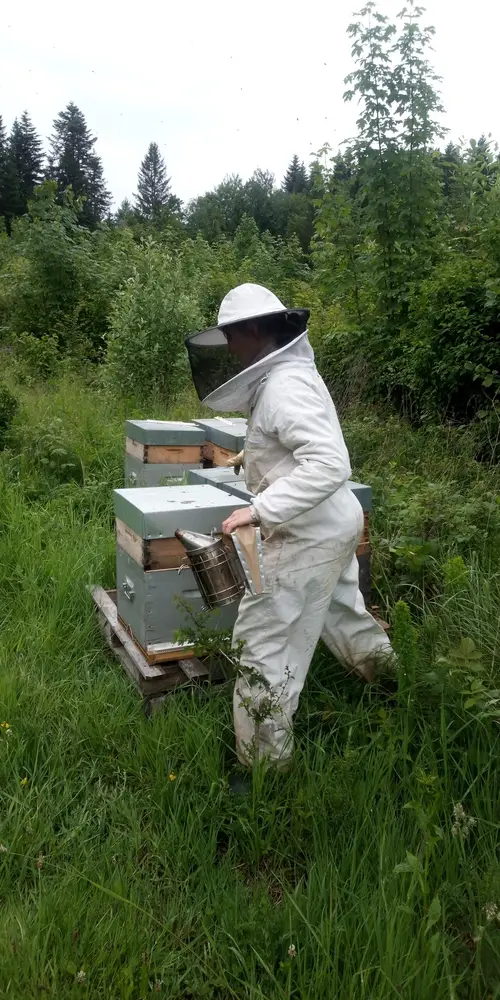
column 127, row 867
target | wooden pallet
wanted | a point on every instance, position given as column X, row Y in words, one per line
column 153, row 680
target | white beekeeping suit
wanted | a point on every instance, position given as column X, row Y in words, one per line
column 297, row 464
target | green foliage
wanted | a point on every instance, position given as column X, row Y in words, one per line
column 154, row 200
column 74, row 164
column 9, row 405
column 295, row 180
column 58, row 278
column 127, row 866
column 406, row 239
column 50, row 450
column 23, row 167
column 150, row 317
column 404, row 640
column 38, row 357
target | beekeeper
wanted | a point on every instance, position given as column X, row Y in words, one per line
column 258, row 361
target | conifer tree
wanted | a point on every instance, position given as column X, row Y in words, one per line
column 24, row 158
column 74, row 163
column 295, row 180
column 3, row 168
column 154, row 197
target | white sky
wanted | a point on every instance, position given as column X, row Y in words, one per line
column 222, row 86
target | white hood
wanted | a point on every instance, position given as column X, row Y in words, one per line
column 238, row 393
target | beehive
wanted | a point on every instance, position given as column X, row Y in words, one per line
column 148, row 558
column 158, row 451
column 215, row 477
column 224, row 438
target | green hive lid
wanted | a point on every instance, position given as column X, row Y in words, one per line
column 227, row 432
column 165, row 432
column 157, row 511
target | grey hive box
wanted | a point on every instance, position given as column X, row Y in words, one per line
column 157, row 451
column 148, row 558
column 225, row 436
column 227, row 480
column 363, row 494
column 214, row 477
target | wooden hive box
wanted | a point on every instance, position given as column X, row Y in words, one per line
column 224, row 438
column 159, row 451
column 148, row 557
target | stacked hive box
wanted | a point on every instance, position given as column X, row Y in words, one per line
column 227, row 480
column 159, row 451
column 148, row 557
column 225, row 437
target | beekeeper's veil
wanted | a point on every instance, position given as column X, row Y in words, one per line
column 221, row 380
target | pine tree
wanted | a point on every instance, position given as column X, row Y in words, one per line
column 154, row 198
column 125, row 214
column 295, row 180
column 74, row 163
column 23, row 166
column 3, row 169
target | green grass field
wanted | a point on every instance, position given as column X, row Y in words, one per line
column 127, row 868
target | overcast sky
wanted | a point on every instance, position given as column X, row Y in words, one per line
column 222, row 86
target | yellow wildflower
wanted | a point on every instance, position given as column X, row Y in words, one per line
column 24, row 781
column 172, row 776
column 5, row 725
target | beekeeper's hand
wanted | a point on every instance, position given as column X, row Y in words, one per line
column 237, row 519
column 237, row 460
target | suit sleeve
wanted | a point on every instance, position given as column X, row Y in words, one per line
column 299, row 418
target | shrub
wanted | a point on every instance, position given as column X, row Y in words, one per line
column 9, row 406
column 38, row 357
column 149, row 318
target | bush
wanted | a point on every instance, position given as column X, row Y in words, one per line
column 149, row 319
column 38, row 357
column 9, row 406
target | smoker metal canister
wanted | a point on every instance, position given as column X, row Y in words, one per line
column 215, row 565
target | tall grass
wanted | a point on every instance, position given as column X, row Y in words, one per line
column 129, row 868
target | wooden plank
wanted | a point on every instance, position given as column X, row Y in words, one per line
column 106, row 604
column 156, row 454
column 131, row 543
column 221, row 455
column 148, row 678
column 155, row 654
column 194, row 668
column 154, row 553
column 134, row 448
column 163, row 553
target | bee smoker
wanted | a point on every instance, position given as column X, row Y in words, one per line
column 224, row 567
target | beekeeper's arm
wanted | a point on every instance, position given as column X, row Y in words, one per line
column 297, row 415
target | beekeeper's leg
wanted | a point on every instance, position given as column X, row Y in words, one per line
column 350, row 631
column 280, row 631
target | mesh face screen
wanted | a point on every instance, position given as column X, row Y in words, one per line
column 211, row 363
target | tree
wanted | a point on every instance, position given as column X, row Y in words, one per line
column 295, row 180
column 258, row 193
column 24, row 157
column 3, row 168
column 125, row 215
column 219, row 212
column 74, row 163
column 449, row 162
column 154, row 199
